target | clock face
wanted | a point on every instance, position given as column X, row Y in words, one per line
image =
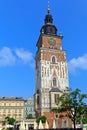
column 51, row 41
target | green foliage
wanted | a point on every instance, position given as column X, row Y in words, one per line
column 29, row 116
column 3, row 129
column 42, row 118
column 85, row 120
column 9, row 129
column 73, row 103
column 10, row 120
column 56, row 110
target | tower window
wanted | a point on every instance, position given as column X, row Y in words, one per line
column 38, row 99
column 49, row 20
column 51, row 29
column 53, row 60
column 56, row 96
column 54, row 82
column 37, row 90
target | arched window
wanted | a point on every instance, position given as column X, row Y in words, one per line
column 53, row 60
column 54, row 82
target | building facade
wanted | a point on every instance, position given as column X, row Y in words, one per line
column 12, row 107
column 29, row 108
column 51, row 67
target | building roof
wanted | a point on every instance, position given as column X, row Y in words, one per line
column 11, row 98
column 49, row 28
column 55, row 90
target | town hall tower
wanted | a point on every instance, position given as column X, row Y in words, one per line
column 51, row 67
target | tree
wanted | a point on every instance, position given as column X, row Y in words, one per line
column 29, row 116
column 42, row 118
column 84, row 115
column 10, row 120
column 73, row 103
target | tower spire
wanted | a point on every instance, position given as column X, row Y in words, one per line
column 48, row 9
column 48, row 28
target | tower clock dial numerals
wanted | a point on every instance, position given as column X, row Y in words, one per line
column 51, row 41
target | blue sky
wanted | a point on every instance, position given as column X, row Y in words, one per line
column 20, row 23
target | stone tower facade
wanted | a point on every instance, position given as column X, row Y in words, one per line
column 51, row 67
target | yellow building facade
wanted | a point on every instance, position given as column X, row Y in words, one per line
column 12, row 107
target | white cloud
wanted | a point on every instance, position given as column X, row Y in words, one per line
column 78, row 63
column 23, row 55
column 6, row 57
column 9, row 57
